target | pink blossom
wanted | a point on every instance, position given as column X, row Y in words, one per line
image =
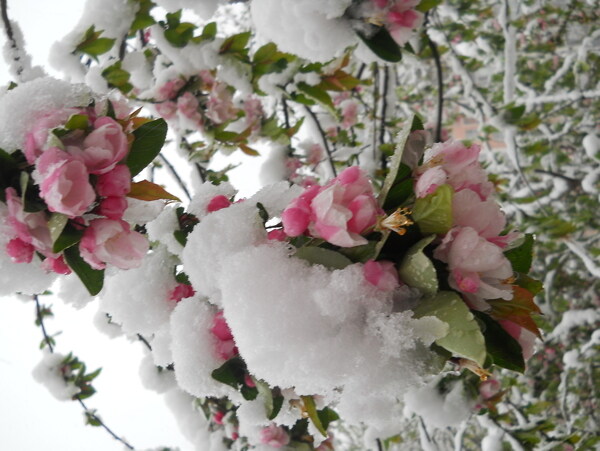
column 181, row 291
column 381, row 274
column 35, row 141
column 489, row 388
column 401, row 20
column 218, row 203
column 220, row 106
column 274, row 436
column 187, row 105
column 56, row 265
column 349, row 114
column 525, row 338
column 104, row 147
column 112, row 207
column 277, row 235
column 170, row 89
column 66, row 187
column 166, row 109
column 115, row 183
column 453, row 163
column 485, row 216
column 338, row 212
column 248, row 381
column 315, row 154
column 218, row 417
column 30, row 228
column 19, row 251
column 110, row 241
column 225, row 345
column 254, row 113
column 478, row 268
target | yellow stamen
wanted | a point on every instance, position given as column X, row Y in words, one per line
column 397, row 221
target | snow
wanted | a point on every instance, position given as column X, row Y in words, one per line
column 138, row 299
column 161, row 230
column 439, row 410
column 311, row 29
column 571, row 319
column 49, row 373
column 23, row 105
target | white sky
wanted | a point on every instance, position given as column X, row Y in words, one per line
column 30, row 417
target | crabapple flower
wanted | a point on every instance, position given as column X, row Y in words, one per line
column 337, row 212
column 19, row 251
column 453, row 163
column 181, row 291
column 31, row 228
column 187, row 105
column 220, row 106
column 35, row 141
column 66, row 188
column 56, row 265
column 104, row 147
column 381, row 274
column 485, row 216
column 274, row 436
column 112, row 207
column 225, row 346
column 218, row 203
column 401, row 20
column 349, row 114
column 115, row 183
column 110, row 241
column 478, row 268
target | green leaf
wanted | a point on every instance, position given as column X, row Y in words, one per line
column 316, row 93
column 360, row 254
column 236, row 43
column 311, row 410
column 502, row 348
column 272, row 403
column 265, row 53
column 93, row 45
column 326, row 257
column 393, row 177
column 77, row 122
column 277, row 404
column 521, row 257
column 233, row 373
column 383, row 45
column 92, row 279
column 149, row 139
column 262, row 212
column 433, row 213
column 464, row 337
column 209, row 32
column 56, row 224
column 417, row 270
column 426, row 5
column 327, row 416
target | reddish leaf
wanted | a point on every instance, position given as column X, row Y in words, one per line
column 148, row 191
column 518, row 310
column 248, row 150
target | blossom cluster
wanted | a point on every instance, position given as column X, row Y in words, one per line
column 76, row 183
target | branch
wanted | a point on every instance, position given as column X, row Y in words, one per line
column 440, row 81
column 324, row 138
column 89, row 413
column 175, row 175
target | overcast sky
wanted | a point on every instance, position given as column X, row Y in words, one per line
column 30, row 417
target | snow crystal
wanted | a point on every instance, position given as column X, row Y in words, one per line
column 103, row 323
column 193, row 348
column 274, row 168
column 310, row 29
column 139, row 69
column 439, row 410
column 161, row 346
column 95, row 80
column 49, row 373
column 161, row 229
column 591, row 145
column 73, row 292
column 571, row 359
column 138, row 298
column 26, row 103
column 19, row 61
column 252, row 418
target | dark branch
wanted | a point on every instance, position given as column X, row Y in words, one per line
column 40, row 320
column 9, row 33
column 440, row 80
column 175, row 175
column 324, row 137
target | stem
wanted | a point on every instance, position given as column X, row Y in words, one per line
column 88, row 411
column 386, row 79
column 175, row 175
column 440, row 81
column 10, row 36
column 324, row 138
column 379, row 445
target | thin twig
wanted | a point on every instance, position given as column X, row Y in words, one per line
column 386, row 80
column 379, row 445
column 440, row 82
column 89, row 413
column 10, row 35
column 143, row 340
column 175, row 175
column 324, row 138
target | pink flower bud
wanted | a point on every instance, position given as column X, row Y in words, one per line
column 217, row 203
column 277, row 235
column 56, row 265
column 381, row 274
column 104, row 147
column 115, row 183
column 112, row 207
column 218, row 417
column 274, row 436
column 19, row 251
column 181, row 291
